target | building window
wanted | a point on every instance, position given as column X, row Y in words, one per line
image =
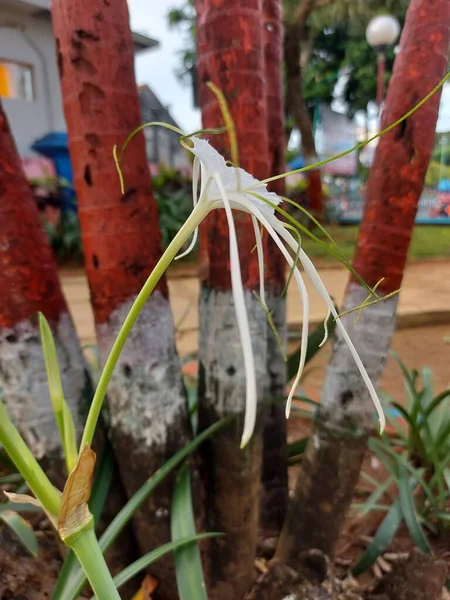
column 16, row 81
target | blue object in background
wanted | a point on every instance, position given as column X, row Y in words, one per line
column 56, row 147
column 444, row 185
column 296, row 163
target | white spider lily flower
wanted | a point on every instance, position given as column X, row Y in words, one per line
column 228, row 187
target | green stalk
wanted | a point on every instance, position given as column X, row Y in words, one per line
column 193, row 221
column 85, row 545
column 27, row 465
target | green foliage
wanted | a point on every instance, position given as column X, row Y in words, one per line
column 417, row 461
column 9, row 510
column 65, row 238
column 435, row 173
column 173, row 195
column 188, row 563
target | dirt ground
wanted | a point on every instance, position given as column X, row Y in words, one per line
column 418, row 347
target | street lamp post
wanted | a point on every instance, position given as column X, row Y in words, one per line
column 382, row 32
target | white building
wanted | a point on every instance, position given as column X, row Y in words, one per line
column 29, row 81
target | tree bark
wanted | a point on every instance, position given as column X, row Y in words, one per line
column 274, row 490
column 230, row 54
column 122, row 243
column 295, row 31
column 29, row 284
column 394, row 189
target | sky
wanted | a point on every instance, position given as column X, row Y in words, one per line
column 157, row 67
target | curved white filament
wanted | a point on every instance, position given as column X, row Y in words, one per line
column 195, row 174
column 325, row 326
column 260, row 251
column 249, row 207
column 242, row 320
column 320, row 287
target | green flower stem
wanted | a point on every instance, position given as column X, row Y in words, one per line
column 85, row 546
column 29, row 468
column 193, row 221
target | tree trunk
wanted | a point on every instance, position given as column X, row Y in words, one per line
column 298, row 109
column 230, row 54
column 29, row 284
column 274, row 491
column 122, row 243
column 325, row 489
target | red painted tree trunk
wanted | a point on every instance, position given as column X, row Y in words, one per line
column 230, row 54
column 121, row 240
column 29, row 284
column 331, row 466
column 274, row 491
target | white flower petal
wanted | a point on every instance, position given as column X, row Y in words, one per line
column 267, row 223
column 242, row 320
column 234, row 180
column 320, row 287
column 195, row 174
column 260, row 250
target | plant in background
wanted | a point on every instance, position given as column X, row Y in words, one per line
column 416, row 458
column 172, row 192
column 65, row 238
column 11, row 481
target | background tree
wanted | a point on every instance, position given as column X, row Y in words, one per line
column 274, row 490
column 345, row 419
column 121, row 241
column 238, row 70
column 28, row 284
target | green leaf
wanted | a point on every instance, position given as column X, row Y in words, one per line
column 408, row 509
column 315, row 339
column 146, row 560
column 134, row 503
column 372, row 500
column 188, row 563
column 381, row 540
column 297, row 447
column 22, row 529
column 61, row 409
column 13, row 478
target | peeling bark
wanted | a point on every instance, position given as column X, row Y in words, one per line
column 393, row 194
column 230, row 54
column 274, row 490
column 122, row 243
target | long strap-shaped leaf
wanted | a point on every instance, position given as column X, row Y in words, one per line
column 133, row 504
column 154, row 555
column 188, row 563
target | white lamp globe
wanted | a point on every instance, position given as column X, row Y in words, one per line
column 382, row 31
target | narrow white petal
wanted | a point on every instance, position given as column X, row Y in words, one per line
column 260, row 250
column 242, row 320
column 195, row 174
column 250, row 207
column 320, row 287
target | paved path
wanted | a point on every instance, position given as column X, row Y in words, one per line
column 424, row 300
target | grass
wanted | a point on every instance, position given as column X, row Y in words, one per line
column 428, row 241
